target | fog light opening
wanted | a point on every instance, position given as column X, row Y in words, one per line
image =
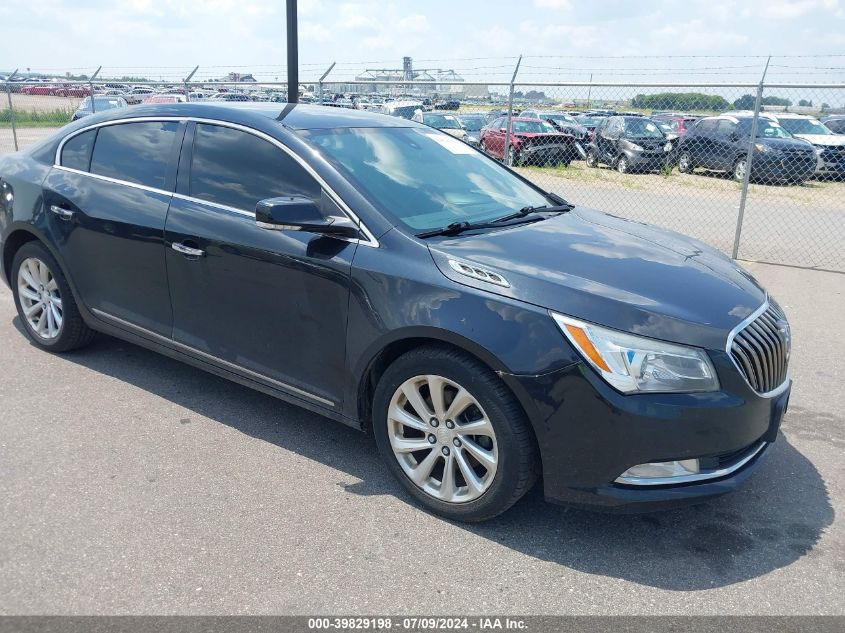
column 642, row 473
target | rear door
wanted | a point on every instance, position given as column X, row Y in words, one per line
column 270, row 303
column 725, row 146
column 106, row 207
column 700, row 145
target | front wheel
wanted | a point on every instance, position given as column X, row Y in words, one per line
column 740, row 167
column 453, row 434
column 513, row 157
column 685, row 163
column 592, row 158
column 622, row 165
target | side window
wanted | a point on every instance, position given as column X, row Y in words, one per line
column 76, row 153
column 725, row 127
column 237, row 169
column 707, row 126
column 135, row 152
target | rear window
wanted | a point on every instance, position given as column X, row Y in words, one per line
column 76, row 153
column 135, row 152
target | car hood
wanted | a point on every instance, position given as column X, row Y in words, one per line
column 823, row 139
column 614, row 272
column 784, row 143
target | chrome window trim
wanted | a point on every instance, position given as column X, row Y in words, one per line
column 116, row 181
column 369, row 238
column 231, row 366
column 741, row 326
column 691, row 478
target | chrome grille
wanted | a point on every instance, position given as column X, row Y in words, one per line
column 761, row 350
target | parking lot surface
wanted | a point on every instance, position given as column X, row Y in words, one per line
column 131, row 483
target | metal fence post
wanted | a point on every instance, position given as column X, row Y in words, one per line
column 506, row 156
column 749, row 159
column 320, row 83
column 11, row 107
column 91, row 89
column 186, row 80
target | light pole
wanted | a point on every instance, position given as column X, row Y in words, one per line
column 293, row 54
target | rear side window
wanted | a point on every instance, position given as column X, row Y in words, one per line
column 76, row 153
column 836, row 125
column 726, row 128
column 237, row 169
column 135, row 152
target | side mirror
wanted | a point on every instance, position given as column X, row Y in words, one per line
column 301, row 214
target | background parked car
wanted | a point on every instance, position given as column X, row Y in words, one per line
column 721, row 143
column 565, row 123
column 472, row 124
column 532, row 142
column 830, row 147
column 100, row 104
column 678, row 123
column 629, row 143
column 590, row 121
column 835, row 123
column 169, row 98
column 450, row 104
column 448, row 123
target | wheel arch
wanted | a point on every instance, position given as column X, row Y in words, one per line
column 387, row 351
column 13, row 243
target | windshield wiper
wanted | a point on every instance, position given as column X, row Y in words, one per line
column 560, row 208
column 457, row 228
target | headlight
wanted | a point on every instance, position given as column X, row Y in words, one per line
column 667, row 147
column 763, row 148
column 635, row 364
column 634, row 146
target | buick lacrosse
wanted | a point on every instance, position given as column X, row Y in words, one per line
column 391, row 277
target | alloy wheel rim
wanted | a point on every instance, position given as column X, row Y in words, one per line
column 41, row 301
column 622, row 166
column 739, row 170
column 683, row 163
column 442, row 438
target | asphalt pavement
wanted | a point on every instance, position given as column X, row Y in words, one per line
column 133, row 484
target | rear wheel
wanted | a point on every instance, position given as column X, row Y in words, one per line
column 622, row 165
column 592, row 159
column 44, row 301
column 453, row 434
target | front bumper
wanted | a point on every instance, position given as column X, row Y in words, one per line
column 544, row 154
column 783, row 169
column 589, row 434
column 646, row 160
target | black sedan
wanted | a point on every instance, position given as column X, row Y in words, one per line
column 388, row 276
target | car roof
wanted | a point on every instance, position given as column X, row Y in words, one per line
column 291, row 115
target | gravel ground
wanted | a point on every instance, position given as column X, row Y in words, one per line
column 133, row 484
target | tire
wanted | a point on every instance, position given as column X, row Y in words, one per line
column 738, row 171
column 592, row 158
column 64, row 328
column 506, row 437
column 622, row 165
column 685, row 165
column 513, row 157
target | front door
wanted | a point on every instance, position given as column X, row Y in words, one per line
column 272, row 304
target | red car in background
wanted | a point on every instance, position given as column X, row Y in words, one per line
column 678, row 123
column 532, row 142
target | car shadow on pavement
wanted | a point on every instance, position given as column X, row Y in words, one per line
column 777, row 518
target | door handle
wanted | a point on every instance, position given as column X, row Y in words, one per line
column 64, row 214
column 187, row 250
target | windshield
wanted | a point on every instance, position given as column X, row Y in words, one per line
column 642, row 128
column 100, row 104
column 590, row 121
column 533, row 127
column 473, row 124
column 558, row 117
column 423, row 178
column 804, row 126
column 442, row 121
column 765, row 128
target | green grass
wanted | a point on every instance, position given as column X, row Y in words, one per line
column 53, row 118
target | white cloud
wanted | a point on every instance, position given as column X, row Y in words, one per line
column 314, row 31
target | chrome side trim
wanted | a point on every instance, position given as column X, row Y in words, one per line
column 692, row 478
column 370, row 238
column 742, row 325
column 218, row 361
column 216, row 205
column 125, row 183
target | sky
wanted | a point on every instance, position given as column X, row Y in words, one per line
column 615, row 40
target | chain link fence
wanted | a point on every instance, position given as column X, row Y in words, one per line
column 756, row 170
